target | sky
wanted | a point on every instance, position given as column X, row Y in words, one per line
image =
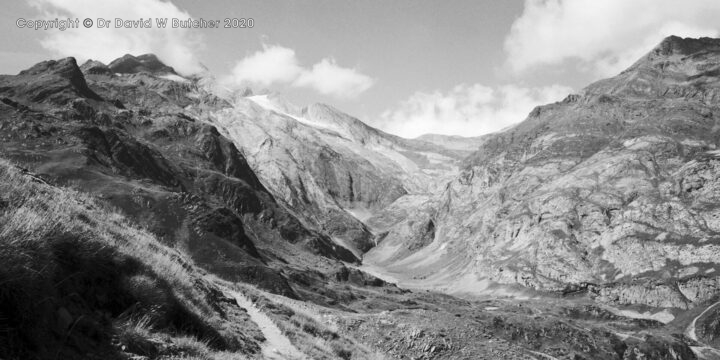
column 408, row 67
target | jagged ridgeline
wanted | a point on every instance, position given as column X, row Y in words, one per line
column 148, row 214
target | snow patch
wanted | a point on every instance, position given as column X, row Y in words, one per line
column 663, row 316
column 347, row 245
column 267, row 104
column 360, row 213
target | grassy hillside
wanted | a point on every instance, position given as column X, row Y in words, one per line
column 79, row 281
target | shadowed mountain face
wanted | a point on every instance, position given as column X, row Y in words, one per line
column 54, row 82
column 613, row 190
column 588, row 231
column 129, row 64
column 134, row 141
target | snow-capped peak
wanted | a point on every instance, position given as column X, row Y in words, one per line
column 271, row 104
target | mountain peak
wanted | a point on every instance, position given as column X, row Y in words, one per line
column 49, row 79
column 667, row 70
column 686, row 46
column 129, row 64
column 95, row 67
column 675, row 50
column 66, row 67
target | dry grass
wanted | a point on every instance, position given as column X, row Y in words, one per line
column 135, row 336
column 71, row 264
column 37, row 211
column 138, row 337
column 319, row 339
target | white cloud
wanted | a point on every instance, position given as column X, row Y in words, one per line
column 605, row 36
column 275, row 64
column 330, row 79
column 467, row 110
column 175, row 47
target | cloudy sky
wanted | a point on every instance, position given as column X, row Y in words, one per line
column 409, row 67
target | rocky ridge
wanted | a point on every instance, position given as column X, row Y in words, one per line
column 171, row 171
column 611, row 190
column 331, row 169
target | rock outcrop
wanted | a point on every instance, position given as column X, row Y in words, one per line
column 56, row 82
column 331, row 169
column 612, row 185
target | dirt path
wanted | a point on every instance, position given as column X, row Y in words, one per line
column 277, row 346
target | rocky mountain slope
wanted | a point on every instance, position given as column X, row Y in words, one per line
column 134, row 141
column 612, row 191
column 134, row 136
column 147, row 215
column 81, row 281
column 467, row 145
column 331, row 169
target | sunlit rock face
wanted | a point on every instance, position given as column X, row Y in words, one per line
column 609, row 190
column 331, row 169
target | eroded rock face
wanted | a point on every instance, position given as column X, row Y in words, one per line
column 655, row 294
column 614, row 183
column 333, row 170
